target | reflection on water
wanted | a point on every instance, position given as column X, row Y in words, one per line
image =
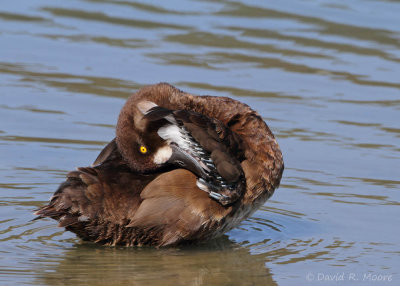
column 323, row 75
column 218, row 263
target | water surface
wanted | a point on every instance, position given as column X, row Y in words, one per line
column 324, row 75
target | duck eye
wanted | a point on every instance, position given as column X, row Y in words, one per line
column 143, row 149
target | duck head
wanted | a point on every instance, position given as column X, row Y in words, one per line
column 149, row 138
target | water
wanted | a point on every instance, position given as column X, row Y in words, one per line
column 323, row 74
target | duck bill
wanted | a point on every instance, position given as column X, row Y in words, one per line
column 183, row 159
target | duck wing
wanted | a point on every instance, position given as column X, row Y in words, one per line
column 218, row 148
column 113, row 205
column 174, row 203
column 109, row 152
column 224, row 146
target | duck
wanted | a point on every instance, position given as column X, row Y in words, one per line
column 181, row 169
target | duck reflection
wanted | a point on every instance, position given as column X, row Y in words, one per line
column 219, row 262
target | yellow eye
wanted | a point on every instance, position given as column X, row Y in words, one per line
column 143, row 149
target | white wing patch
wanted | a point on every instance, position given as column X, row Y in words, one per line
column 172, row 133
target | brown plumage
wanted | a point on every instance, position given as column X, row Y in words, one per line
column 130, row 197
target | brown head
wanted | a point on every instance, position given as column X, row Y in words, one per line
column 149, row 137
column 138, row 140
